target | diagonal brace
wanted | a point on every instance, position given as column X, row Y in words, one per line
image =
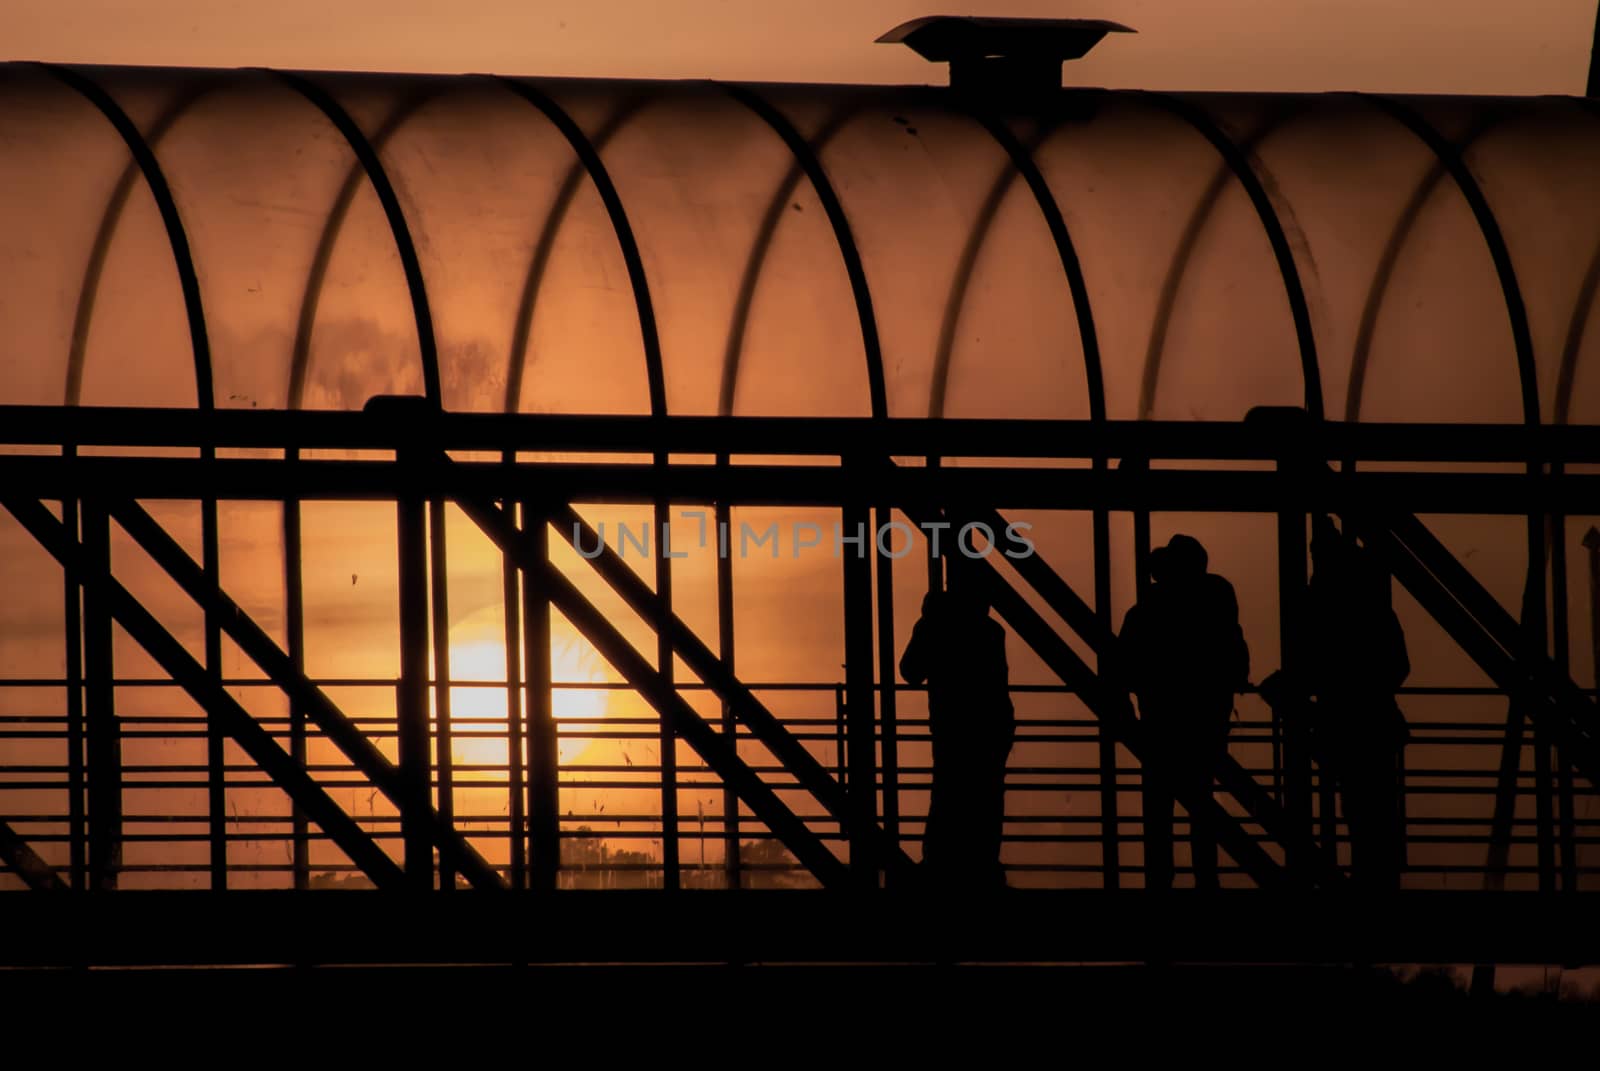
column 17, row 854
column 257, row 743
column 264, row 651
column 717, row 750
column 766, row 727
column 1521, row 673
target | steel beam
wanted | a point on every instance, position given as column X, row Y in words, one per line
column 718, row 753
column 411, row 699
column 861, row 794
column 693, row 485
column 516, row 795
column 1154, row 440
column 1433, row 578
column 261, row 649
column 726, row 648
column 16, row 853
column 295, row 629
column 544, row 744
column 102, row 730
column 189, row 674
column 766, row 728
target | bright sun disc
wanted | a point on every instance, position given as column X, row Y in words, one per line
column 477, row 654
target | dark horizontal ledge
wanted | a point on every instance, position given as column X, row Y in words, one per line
column 1266, row 435
column 1186, row 490
column 649, row 926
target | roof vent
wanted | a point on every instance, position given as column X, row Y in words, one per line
column 1001, row 56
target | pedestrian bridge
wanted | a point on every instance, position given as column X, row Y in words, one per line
column 453, row 484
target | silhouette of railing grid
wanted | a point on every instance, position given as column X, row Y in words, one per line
column 1059, row 831
column 1046, row 846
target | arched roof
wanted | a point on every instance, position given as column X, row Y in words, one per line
column 269, row 239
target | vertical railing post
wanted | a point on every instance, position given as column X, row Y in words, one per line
column 411, row 711
column 1110, row 848
column 671, row 871
column 516, row 790
column 295, row 628
column 889, row 760
column 1293, row 471
column 102, row 729
column 216, row 751
column 72, row 595
column 1591, row 543
column 1536, row 640
column 840, row 706
column 1561, row 641
column 935, row 560
column 726, row 648
column 444, row 769
column 935, row 566
column 1591, row 546
column 855, row 542
column 1296, row 756
column 1544, row 801
column 1141, row 586
column 544, row 763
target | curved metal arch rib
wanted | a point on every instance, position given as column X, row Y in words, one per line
column 334, row 223
column 1023, row 164
column 806, row 156
column 395, row 215
column 755, row 261
column 305, row 323
column 1534, row 598
column 1516, row 311
column 1361, row 355
column 1567, row 375
column 110, row 219
column 1566, row 378
column 1239, row 163
column 177, row 237
column 533, row 281
column 607, row 190
column 1188, row 241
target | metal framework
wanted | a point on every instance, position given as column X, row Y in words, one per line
column 828, row 787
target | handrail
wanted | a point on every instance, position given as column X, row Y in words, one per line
column 812, row 436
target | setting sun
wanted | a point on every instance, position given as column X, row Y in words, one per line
column 835, row 517
column 478, row 658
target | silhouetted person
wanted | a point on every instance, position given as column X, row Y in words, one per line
column 960, row 652
column 1182, row 653
column 1355, row 660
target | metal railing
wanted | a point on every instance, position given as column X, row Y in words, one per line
column 832, row 790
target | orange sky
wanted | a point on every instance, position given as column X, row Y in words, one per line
column 1450, row 46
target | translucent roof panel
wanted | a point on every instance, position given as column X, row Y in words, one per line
column 311, row 240
column 965, row 285
column 1172, row 255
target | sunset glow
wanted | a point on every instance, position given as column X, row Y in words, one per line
column 477, row 654
column 1005, row 494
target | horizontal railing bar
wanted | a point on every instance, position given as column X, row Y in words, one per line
column 1007, row 488
column 803, row 435
column 683, row 686
column 714, row 826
